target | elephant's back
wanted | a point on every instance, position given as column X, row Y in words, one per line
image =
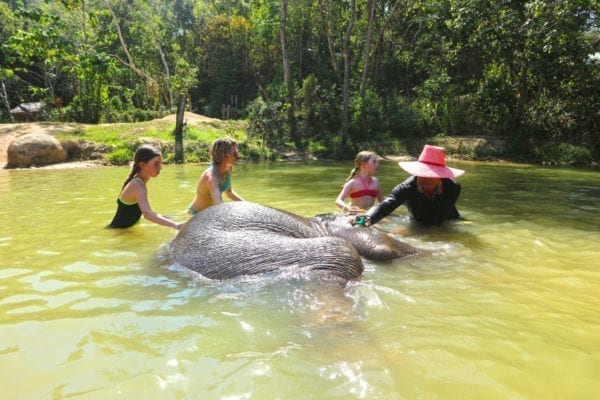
column 246, row 216
column 242, row 238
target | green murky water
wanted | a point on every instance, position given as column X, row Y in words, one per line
column 507, row 307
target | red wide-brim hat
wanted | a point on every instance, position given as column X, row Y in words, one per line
column 431, row 164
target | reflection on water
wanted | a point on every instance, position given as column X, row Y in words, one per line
column 506, row 306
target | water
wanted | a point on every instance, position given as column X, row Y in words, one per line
column 507, row 307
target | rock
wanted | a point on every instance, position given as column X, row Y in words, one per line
column 156, row 143
column 34, row 149
column 84, row 150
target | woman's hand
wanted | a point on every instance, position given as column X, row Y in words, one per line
column 359, row 219
column 355, row 210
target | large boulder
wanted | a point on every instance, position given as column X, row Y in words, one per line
column 84, row 150
column 34, row 149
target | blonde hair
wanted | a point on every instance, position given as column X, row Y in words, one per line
column 361, row 157
column 220, row 148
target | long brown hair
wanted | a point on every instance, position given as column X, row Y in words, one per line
column 144, row 153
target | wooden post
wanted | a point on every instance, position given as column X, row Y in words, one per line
column 5, row 98
column 179, row 125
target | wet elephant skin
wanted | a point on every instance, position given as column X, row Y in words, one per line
column 243, row 238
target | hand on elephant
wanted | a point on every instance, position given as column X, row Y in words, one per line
column 359, row 219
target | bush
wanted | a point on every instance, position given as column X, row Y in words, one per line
column 318, row 149
column 120, row 156
column 367, row 117
column 405, row 119
column 253, row 150
column 564, row 154
column 265, row 121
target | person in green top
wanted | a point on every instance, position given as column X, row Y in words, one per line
column 216, row 179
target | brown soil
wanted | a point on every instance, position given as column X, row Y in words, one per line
column 191, row 118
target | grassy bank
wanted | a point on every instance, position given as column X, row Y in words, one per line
column 119, row 141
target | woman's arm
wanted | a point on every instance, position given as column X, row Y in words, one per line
column 340, row 201
column 389, row 204
column 232, row 194
column 142, row 199
column 379, row 191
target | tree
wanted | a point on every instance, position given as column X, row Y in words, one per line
column 287, row 77
column 129, row 60
column 338, row 71
column 529, row 53
column 226, row 75
column 39, row 52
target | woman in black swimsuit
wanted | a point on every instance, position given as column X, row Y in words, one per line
column 132, row 202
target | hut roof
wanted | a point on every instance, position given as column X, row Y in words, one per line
column 32, row 108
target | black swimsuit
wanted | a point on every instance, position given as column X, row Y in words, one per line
column 126, row 216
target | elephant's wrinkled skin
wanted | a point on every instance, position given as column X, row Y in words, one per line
column 243, row 238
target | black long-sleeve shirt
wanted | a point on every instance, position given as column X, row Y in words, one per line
column 420, row 208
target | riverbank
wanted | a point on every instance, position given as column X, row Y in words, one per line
column 484, row 148
column 9, row 132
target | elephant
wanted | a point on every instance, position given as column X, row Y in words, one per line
column 238, row 238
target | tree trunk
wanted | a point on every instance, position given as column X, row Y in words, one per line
column 163, row 58
column 363, row 81
column 346, row 85
column 5, row 98
column 377, row 58
column 287, row 78
column 179, row 125
column 325, row 20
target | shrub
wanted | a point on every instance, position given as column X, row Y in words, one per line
column 265, row 121
column 564, row 153
column 120, row 156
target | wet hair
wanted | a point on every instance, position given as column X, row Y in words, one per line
column 361, row 157
column 219, row 149
column 143, row 154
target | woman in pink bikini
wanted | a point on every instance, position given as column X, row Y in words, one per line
column 362, row 187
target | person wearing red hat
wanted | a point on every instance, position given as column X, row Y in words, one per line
column 430, row 194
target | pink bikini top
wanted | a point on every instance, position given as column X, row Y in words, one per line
column 366, row 191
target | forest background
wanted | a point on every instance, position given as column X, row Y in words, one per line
column 325, row 76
